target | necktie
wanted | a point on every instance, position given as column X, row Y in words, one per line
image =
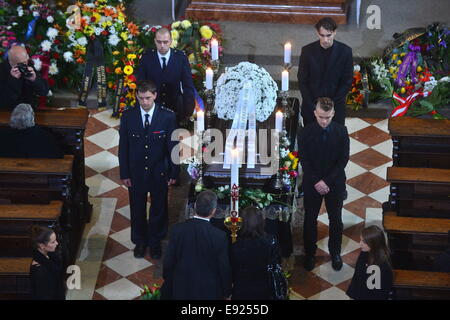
column 164, row 63
column 324, row 135
column 147, row 123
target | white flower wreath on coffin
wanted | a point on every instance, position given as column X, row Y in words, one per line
column 232, row 81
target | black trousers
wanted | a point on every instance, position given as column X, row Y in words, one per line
column 333, row 203
column 149, row 231
column 308, row 116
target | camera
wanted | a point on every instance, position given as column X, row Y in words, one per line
column 23, row 68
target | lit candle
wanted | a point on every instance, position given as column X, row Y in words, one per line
column 234, row 176
column 279, row 121
column 214, row 49
column 209, row 79
column 287, row 52
column 200, row 121
column 285, row 80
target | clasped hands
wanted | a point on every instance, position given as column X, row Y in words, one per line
column 321, row 187
column 127, row 182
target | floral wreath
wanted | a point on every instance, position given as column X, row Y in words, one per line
column 231, row 82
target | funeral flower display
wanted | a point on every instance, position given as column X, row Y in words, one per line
column 231, row 82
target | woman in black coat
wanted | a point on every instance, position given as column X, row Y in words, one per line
column 46, row 270
column 250, row 256
column 374, row 253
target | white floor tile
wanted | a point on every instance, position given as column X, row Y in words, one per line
column 333, row 293
column 356, row 146
column 102, row 161
column 126, row 264
column 105, row 139
column 348, row 245
column 122, row 289
column 381, row 195
column 99, row 184
column 355, row 124
column 326, row 272
column 384, row 148
column 125, row 211
column 374, row 216
column 352, row 194
column 348, row 219
column 295, row 296
column 124, row 238
column 352, row 170
column 383, row 125
column 381, row 171
column 105, row 117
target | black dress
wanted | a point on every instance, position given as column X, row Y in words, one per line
column 47, row 281
column 249, row 260
column 358, row 289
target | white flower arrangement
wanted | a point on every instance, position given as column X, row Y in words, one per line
column 113, row 39
column 53, row 69
column 429, row 85
column 50, row 19
column 82, row 41
column 52, row 33
column 381, row 73
column 46, row 45
column 37, row 63
column 68, row 56
column 231, row 82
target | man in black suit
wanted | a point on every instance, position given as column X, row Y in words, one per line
column 325, row 70
column 19, row 86
column 196, row 265
column 324, row 152
column 145, row 148
column 169, row 69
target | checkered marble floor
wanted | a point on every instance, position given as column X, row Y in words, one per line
column 109, row 270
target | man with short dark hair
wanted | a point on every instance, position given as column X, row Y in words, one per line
column 145, row 147
column 19, row 81
column 325, row 70
column 325, row 148
column 169, row 69
column 196, row 265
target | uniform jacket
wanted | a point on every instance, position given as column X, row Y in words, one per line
column 324, row 160
column 174, row 85
column 142, row 158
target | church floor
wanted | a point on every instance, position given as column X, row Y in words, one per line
column 110, row 272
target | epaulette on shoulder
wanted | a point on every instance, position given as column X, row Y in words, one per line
column 167, row 109
column 176, row 51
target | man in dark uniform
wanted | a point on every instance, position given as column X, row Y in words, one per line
column 19, row 86
column 325, row 70
column 169, row 69
column 145, row 148
column 325, row 148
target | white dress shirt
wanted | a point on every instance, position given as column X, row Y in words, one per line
column 167, row 56
column 150, row 113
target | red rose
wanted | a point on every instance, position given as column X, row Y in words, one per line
column 295, row 154
column 55, row 55
column 153, row 29
column 51, row 82
column 105, row 33
column 92, row 19
column 56, row 42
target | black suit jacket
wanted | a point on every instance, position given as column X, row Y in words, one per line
column 15, row 91
column 324, row 160
column 143, row 159
column 169, row 82
column 334, row 83
column 33, row 142
column 196, row 263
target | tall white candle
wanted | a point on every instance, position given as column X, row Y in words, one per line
column 285, row 80
column 200, row 121
column 214, row 49
column 234, row 174
column 287, row 52
column 209, row 79
column 279, row 121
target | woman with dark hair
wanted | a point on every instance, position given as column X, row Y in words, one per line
column 374, row 283
column 250, row 256
column 46, row 268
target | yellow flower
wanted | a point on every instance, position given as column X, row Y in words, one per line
column 399, row 62
column 104, row 25
column 122, row 105
column 294, row 166
column 394, row 57
column 109, row 23
column 121, row 17
column 191, row 58
column 124, row 36
column 115, row 53
column 402, row 90
column 394, row 76
column 88, row 30
column 176, row 24
column 175, row 34
column 118, row 70
column 174, row 44
column 206, row 32
column 132, row 85
column 402, row 54
column 291, row 156
column 203, row 49
column 419, row 68
column 131, row 56
column 185, row 24
column 391, row 69
column 97, row 16
column 115, row 63
column 128, row 70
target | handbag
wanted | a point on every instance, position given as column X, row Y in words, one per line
column 277, row 280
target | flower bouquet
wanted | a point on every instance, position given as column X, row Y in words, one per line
column 151, row 293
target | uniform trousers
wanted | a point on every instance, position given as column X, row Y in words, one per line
column 312, row 203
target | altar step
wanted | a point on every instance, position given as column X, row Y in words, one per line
column 273, row 11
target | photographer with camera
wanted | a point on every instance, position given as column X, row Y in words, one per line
column 19, row 81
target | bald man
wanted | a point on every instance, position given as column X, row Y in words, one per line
column 16, row 87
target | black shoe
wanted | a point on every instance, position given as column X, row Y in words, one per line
column 310, row 262
column 336, row 262
column 155, row 253
column 139, row 251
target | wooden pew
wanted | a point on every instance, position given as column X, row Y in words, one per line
column 17, row 220
column 409, row 285
column 415, row 242
column 68, row 125
column 38, row 181
column 420, row 142
column 15, row 278
column 417, row 191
